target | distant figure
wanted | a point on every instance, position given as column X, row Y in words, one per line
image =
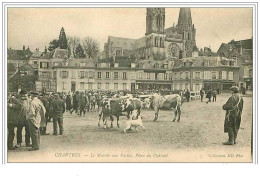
column 218, row 90
column 68, row 102
column 233, row 107
column 187, row 95
column 243, row 90
column 209, row 94
column 58, row 107
column 214, row 94
column 202, row 93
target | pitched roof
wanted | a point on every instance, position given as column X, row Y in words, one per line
column 18, row 54
column 61, row 53
column 49, row 55
column 125, row 43
column 37, row 54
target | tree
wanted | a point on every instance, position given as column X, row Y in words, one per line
column 73, row 42
column 79, row 52
column 63, row 44
column 91, row 47
column 53, row 44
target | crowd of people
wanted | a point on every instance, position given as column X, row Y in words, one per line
column 32, row 111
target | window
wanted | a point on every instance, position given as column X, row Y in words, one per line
column 140, row 76
column 107, row 86
column 214, row 75
column 91, row 74
column 73, row 75
column 54, row 74
column 197, row 87
column 124, row 86
column 63, row 85
column 45, row 74
column 132, row 75
column 99, row 75
column 197, row 75
column 90, row 86
column 46, row 85
column 99, row 85
column 35, row 62
column 181, row 75
column 250, row 73
column 107, row 75
column 224, row 75
column 115, row 75
column 148, row 76
column 187, row 75
column 230, row 75
column 115, row 86
column 176, row 77
column 44, row 65
column 207, row 63
column 81, row 85
column 165, row 77
column 124, row 75
column 82, row 74
column 64, row 74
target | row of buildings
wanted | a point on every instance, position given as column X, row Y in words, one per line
column 180, row 64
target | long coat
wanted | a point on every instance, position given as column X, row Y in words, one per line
column 233, row 107
column 13, row 112
column 37, row 113
column 24, row 112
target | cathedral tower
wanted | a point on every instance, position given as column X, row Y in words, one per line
column 186, row 28
column 155, row 33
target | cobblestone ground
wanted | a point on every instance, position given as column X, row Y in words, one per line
column 197, row 137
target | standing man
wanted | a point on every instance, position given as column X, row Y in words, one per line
column 58, row 107
column 13, row 110
column 46, row 104
column 214, row 94
column 36, row 120
column 202, row 93
column 209, row 94
column 23, row 120
column 75, row 102
column 187, row 94
column 233, row 107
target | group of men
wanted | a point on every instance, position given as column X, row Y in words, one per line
column 32, row 112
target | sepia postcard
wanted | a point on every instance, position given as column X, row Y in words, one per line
column 163, row 83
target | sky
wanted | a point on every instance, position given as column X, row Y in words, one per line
column 36, row 27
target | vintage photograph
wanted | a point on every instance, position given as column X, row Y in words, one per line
column 155, row 84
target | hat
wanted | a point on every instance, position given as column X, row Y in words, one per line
column 23, row 92
column 56, row 95
column 34, row 93
column 234, row 89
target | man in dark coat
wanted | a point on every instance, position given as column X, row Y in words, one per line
column 214, row 94
column 187, row 94
column 13, row 109
column 202, row 93
column 233, row 107
column 68, row 103
column 209, row 94
column 75, row 103
column 82, row 104
column 58, row 107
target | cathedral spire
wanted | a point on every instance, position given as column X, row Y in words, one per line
column 185, row 20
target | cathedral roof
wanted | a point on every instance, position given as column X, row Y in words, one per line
column 125, row 43
column 184, row 19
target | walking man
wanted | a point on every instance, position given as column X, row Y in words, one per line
column 202, row 93
column 36, row 120
column 233, row 107
column 58, row 107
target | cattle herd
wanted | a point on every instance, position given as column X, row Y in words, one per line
column 130, row 107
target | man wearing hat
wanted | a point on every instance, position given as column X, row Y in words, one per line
column 233, row 107
column 23, row 119
column 36, row 120
column 46, row 104
column 58, row 108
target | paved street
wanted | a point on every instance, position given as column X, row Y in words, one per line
column 197, row 137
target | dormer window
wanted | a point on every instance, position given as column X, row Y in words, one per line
column 82, row 64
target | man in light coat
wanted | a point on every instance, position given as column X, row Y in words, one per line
column 36, row 120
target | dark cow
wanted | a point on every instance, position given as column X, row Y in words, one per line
column 129, row 105
column 108, row 109
column 167, row 102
